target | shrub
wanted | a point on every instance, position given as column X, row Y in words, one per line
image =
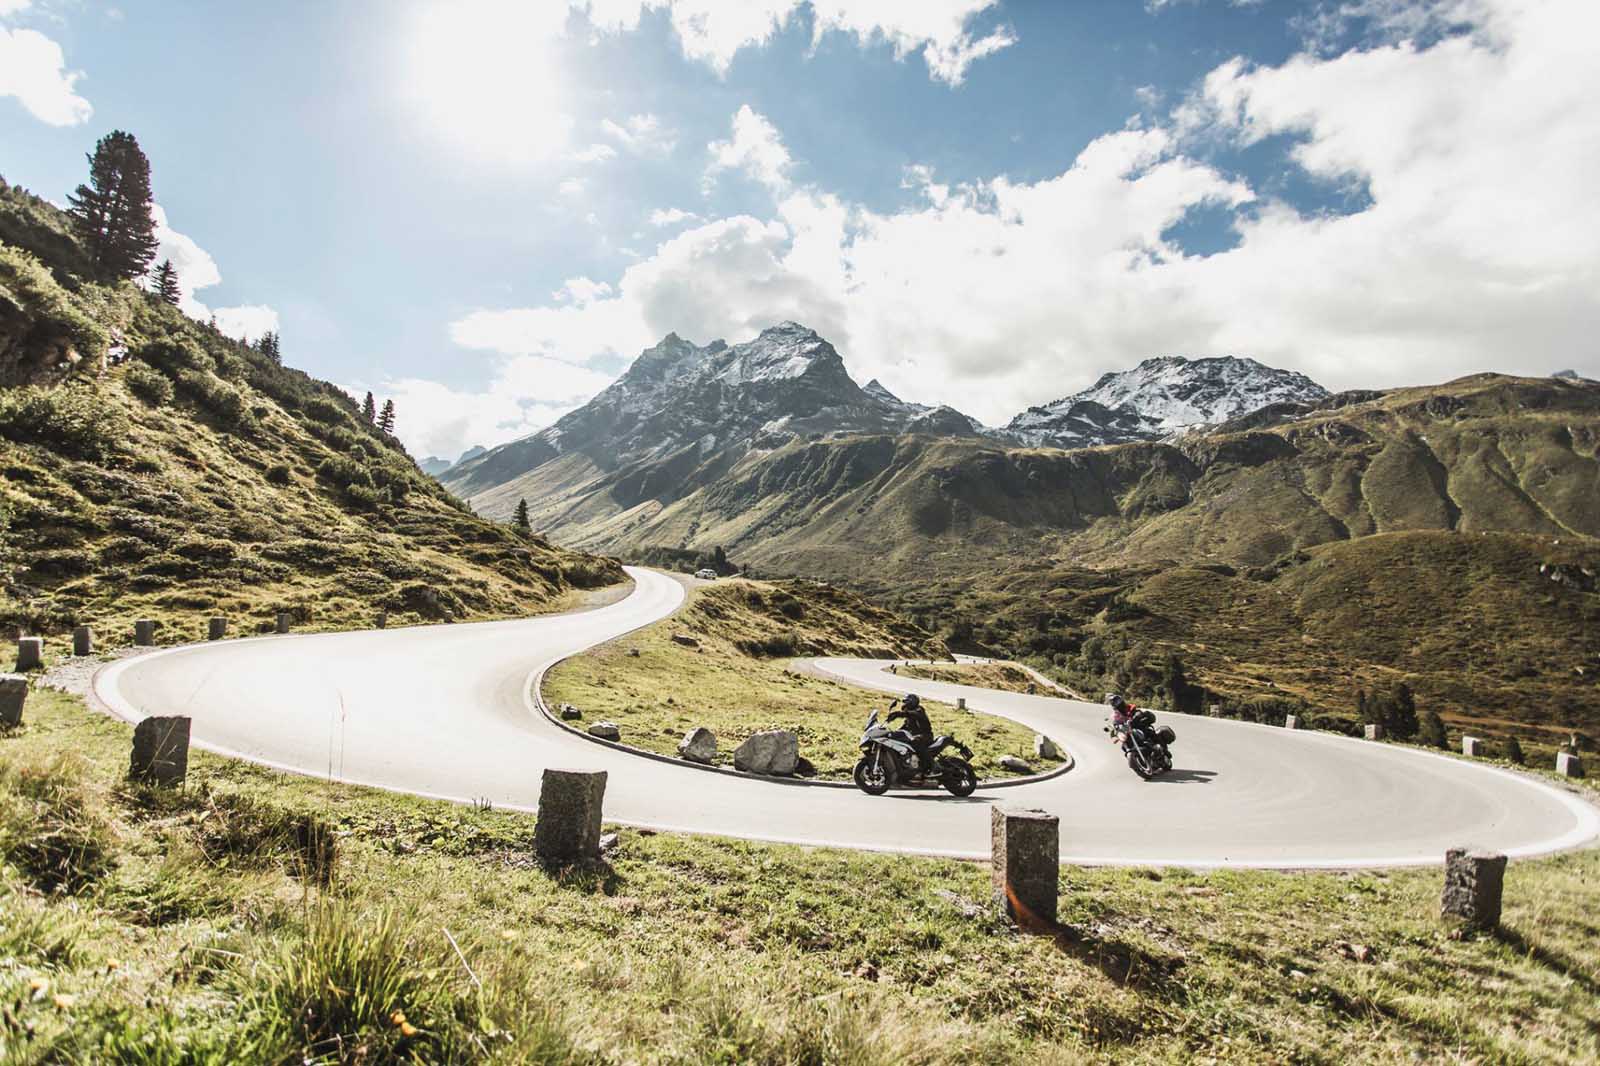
column 278, row 474
column 149, row 384
column 1514, row 750
column 322, row 409
column 51, row 308
column 72, row 420
column 176, row 355
column 216, row 396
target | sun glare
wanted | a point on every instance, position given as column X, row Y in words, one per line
column 483, row 74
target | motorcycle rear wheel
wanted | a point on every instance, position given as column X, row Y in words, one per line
column 958, row 779
column 874, row 780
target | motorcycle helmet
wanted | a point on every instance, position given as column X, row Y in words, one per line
column 911, row 702
column 1115, row 702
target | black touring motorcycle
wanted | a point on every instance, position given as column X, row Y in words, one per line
column 1148, row 749
column 889, row 759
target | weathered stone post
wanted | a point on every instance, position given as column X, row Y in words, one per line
column 216, row 628
column 1375, row 732
column 570, row 803
column 30, row 653
column 1471, row 746
column 1473, row 884
column 13, row 694
column 160, row 751
column 1214, row 711
column 1291, row 722
column 1025, row 864
column 284, row 620
column 144, row 632
column 1568, row 764
column 961, row 703
column 383, row 619
column 83, row 641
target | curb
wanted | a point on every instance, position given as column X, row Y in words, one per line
column 537, row 685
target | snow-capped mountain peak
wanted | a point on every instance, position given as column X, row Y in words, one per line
column 1160, row 397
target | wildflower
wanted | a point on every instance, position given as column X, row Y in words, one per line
column 65, row 1002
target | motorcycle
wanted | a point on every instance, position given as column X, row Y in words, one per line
column 889, row 759
column 1147, row 748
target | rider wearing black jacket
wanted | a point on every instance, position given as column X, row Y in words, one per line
column 917, row 726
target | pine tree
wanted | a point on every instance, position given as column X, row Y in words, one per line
column 1363, row 711
column 166, row 282
column 1514, row 750
column 369, row 408
column 386, row 419
column 1432, row 732
column 268, row 346
column 520, row 518
column 719, row 560
column 1401, row 717
column 112, row 213
column 1175, row 682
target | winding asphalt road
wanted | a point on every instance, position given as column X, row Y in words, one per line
column 445, row 711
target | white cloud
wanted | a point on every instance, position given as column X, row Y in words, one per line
column 595, row 153
column 197, row 270
column 34, row 70
column 526, row 394
column 581, row 291
column 642, row 134
column 715, row 31
column 247, row 321
column 14, row 7
column 754, row 148
column 1479, row 248
column 571, row 187
column 672, row 216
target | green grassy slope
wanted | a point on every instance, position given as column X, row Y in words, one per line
column 734, row 679
column 198, row 477
column 207, row 926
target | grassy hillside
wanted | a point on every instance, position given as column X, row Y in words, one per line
column 150, row 467
column 733, row 679
column 209, row 926
column 1468, row 621
column 1288, row 556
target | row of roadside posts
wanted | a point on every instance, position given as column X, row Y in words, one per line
column 1025, row 844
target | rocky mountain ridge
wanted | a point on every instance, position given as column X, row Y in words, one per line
column 790, row 384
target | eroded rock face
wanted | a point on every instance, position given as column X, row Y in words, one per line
column 698, row 745
column 1045, row 748
column 605, row 731
column 773, row 751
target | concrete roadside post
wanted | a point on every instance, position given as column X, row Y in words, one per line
column 1471, row 747
column 283, row 622
column 160, row 751
column 144, row 632
column 13, row 695
column 1291, row 722
column 1025, row 865
column 1375, row 732
column 82, row 641
column 1568, row 764
column 961, row 703
column 570, row 804
column 1474, row 883
column 30, row 653
column 216, row 628
column 382, row 619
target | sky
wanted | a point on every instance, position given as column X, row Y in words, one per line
column 485, row 209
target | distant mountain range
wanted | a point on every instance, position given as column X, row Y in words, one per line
column 790, row 384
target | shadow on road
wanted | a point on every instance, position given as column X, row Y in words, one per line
column 1186, row 777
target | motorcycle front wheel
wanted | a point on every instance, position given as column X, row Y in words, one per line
column 957, row 777
column 874, row 776
column 1137, row 764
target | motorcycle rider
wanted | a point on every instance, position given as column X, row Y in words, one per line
column 917, row 727
column 1122, row 713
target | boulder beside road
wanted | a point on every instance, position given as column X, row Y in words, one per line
column 698, row 745
column 773, row 751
